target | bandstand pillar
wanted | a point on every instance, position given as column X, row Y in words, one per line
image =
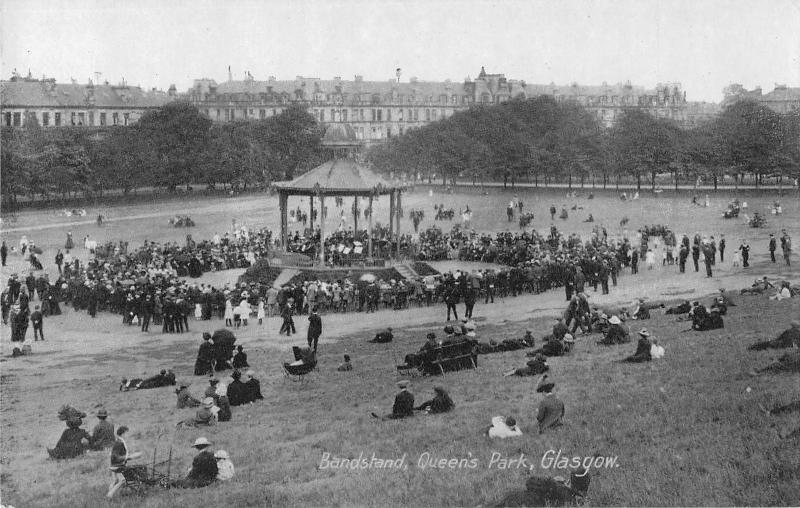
column 283, row 200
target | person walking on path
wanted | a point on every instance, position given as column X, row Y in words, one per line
column 314, row 328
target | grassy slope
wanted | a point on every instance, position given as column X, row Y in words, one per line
column 684, row 428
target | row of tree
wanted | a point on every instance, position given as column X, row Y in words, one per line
column 540, row 138
column 167, row 148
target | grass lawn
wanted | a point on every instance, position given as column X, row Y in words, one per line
column 684, row 430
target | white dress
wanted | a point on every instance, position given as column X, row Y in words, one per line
column 228, row 310
column 261, row 312
column 501, row 430
column 198, row 311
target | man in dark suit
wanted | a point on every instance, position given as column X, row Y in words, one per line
column 773, row 245
column 38, row 323
column 204, row 467
column 403, row 403
column 314, row 328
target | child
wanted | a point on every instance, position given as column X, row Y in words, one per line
column 228, row 312
column 346, row 366
column 261, row 311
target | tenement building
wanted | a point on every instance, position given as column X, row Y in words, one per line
column 71, row 104
column 378, row 110
column 782, row 99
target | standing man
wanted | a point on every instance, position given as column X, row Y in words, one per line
column 773, row 245
column 722, row 248
column 314, row 328
column 3, row 253
column 745, row 248
column 786, row 246
column 38, row 324
column 469, row 299
column 552, row 212
column 708, row 258
column 696, row 256
column 682, row 257
column 451, row 299
column 713, row 251
column 147, row 309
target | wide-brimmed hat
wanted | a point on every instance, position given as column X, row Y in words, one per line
column 201, row 441
column 403, row 383
column 102, row 413
column 208, row 402
column 545, row 385
column 614, row 320
column 644, row 333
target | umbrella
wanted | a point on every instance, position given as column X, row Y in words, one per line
column 368, row 277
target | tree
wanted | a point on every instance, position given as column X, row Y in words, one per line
column 176, row 135
column 644, row 144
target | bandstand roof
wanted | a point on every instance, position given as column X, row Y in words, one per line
column 338, row 177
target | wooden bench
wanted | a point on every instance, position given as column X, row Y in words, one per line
column 451, row 357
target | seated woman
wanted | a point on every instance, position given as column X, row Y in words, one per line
column 440, row 403
column 534, row 367
column 205, row 417
column 616, row 333
column 253, row 386
column 503, row 427
column 787, row 338
column 698, row 314
column 711, row 322
column 74, row 441
column 223, row 409
column 164, row 378
column 240, row 359
column 643, row 348
column 237, row 393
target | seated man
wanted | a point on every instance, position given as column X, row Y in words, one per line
column 643, row 348
column 616, row 333
column 403, row 403
column 528, row 339
column 416, row 359
column 346, row 366
column 440, row 403
column 503, row 427
column 640, row 310
column 254, row 386
column 103, row 432
column 204, row 467
column 551, row 408
column 534, row 367
column 185, row 398
column 383, row 337
column 787, row 338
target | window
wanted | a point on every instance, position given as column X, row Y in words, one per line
column 58, row 119
column 333, row 115
column 388, row 132
column 410, row 115
column 45, row 119
column 115, row 118
column 485, row 97
column 8, row 119
column 380, row 115
column 400, row 116
column 72, row 118
column 401, row 130
column 361, row 114
column 427, row 115
column 81, row 118
column 416, row 115
column 262, row 113
column 126, row 117
column 344, row 115
column 103, row 118
column 372, row 111
column 274, row 112
column 207, row 113
column 434, row 114
column 388, row 115
column 321, row 115
column 91, row 118
column 454, row 99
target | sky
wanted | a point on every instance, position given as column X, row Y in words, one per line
column 703, row 44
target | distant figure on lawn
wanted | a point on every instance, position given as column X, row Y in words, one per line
column 544, row 491
column 616, row 333
column 205, row 357
column 204, row 468
column 185, row 398
column 205, row 416
column 240, row 359
column 346, row 366
column 788, row 338
column 383, row 337
column 758, row 287
column 534, row 367
column 403, row 403
column 103, row 432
